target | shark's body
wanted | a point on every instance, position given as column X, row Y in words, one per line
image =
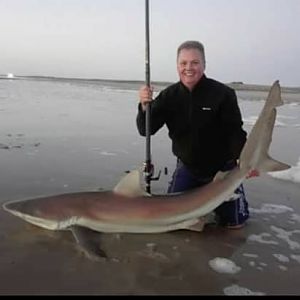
column 129, row 209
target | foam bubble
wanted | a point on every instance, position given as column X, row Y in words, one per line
column 223, row 265
column 282, row 258
column 272, row 209
column 235, row 290
column 262, row 239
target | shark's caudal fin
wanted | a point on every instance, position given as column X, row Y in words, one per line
column 255, row 155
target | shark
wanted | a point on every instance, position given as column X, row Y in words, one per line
column 129, row 209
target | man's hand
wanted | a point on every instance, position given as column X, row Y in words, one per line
column 145, row 94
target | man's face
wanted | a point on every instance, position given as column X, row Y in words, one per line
column 190, row 67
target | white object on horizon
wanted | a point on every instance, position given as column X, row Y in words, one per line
column 10, row 75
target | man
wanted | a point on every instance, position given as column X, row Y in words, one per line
column 205, row 126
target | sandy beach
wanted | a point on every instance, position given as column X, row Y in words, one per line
column 60, row 137
column 36, row 261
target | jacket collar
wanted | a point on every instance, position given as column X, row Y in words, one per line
column 199, row 84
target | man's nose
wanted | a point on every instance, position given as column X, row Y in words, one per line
column 189, row 66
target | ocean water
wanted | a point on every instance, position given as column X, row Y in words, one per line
column 71, row 135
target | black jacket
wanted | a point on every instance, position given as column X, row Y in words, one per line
column 205, row 125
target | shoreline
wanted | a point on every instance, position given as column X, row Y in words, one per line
column 238, row 86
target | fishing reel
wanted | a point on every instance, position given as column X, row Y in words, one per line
column 149, row 172
column 149, row 175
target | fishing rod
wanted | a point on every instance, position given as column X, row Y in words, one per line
column 148, row 166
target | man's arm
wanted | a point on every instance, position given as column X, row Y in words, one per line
column 232, row 125
column 157, row 111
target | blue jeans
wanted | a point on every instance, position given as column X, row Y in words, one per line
column 229, row 213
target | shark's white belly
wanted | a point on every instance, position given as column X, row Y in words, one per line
column 136, row 227
column 106, row 227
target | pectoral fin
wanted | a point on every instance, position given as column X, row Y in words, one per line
column 88, row 242
column 199, row 225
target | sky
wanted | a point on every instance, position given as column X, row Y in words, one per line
column 253, row 41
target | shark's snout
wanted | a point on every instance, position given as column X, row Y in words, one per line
column 26, row 212
column 7, row 206
column 13, row 206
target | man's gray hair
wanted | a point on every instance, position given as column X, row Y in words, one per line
column 192, row 45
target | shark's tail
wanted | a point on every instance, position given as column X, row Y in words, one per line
column 255, row 154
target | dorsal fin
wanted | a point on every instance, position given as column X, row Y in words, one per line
column 130, row 185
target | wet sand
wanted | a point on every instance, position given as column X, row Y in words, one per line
column 59, row 137
column 37, row 261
